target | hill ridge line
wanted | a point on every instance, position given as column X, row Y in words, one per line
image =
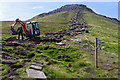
column 72, row 7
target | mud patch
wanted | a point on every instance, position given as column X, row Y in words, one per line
column 11, row 39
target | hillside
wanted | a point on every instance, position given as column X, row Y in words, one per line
column 75, row 25
column 65, row 13
column 72, row 7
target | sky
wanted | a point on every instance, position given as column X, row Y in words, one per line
column 9, row 11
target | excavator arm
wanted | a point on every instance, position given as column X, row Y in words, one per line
column 22, row 23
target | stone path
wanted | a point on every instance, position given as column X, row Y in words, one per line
column 36, row 65
column 75, row 27
column 35, row 70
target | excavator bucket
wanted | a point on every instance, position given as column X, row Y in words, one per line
column 13, row 31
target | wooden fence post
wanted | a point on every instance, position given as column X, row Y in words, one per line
column 96, row 54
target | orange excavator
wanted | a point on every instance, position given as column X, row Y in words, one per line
column 30, row 28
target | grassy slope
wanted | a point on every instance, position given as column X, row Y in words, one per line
column 55, row 22
column 94, row 19
column 107, row 32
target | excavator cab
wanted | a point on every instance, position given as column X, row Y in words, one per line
column 32, row 29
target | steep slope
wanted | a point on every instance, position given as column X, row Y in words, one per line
column 55, row 22
column 99, row 20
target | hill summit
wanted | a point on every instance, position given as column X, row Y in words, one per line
column 70, row 7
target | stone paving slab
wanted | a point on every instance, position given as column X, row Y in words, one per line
column 37, row 64
column 36, row 67
column 7, row 61
column 35, row 74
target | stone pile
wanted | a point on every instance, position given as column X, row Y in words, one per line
column 74, row 27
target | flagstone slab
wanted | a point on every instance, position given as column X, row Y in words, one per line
column 35, row 74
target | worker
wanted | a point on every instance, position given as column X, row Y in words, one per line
column 20, row 32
